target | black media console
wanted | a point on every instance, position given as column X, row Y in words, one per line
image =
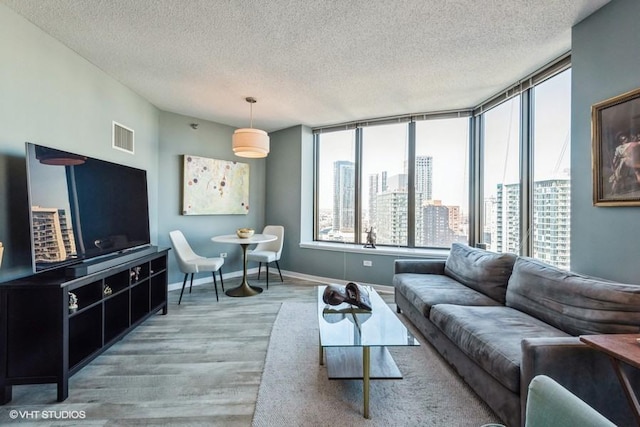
column 43, row 340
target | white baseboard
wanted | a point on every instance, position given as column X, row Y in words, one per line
column 206, row 279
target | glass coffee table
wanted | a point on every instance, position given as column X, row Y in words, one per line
column 353, row 342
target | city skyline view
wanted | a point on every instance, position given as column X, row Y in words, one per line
column 442, row 182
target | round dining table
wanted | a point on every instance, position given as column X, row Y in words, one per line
column 245, row 289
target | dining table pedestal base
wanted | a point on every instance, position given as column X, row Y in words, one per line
column 244, row 290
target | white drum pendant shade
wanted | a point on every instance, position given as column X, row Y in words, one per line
column 250, row 142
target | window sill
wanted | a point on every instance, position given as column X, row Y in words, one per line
column 380, row 250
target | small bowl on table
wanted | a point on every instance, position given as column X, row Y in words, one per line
column 244, row 233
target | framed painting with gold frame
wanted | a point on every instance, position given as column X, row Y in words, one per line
column 615, row 134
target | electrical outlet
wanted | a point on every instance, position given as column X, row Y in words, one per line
column 223, row 254
column 367, row 263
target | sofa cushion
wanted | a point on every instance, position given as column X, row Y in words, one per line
column 485, row 271
column 491, row 337
column 572, row 302
column 427, row 290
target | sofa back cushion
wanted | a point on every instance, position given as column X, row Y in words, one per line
column 484, row 271
column 574, row 303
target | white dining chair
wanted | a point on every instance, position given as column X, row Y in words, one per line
column 190, row 263
column 268, row 252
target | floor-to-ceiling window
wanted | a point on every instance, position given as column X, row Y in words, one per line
column 442, row 182
column 525, row 147
column 385, row 183
column 408, row 182
column 408, row 179
column 550, row 235
column 500, row 168
column 335, row 187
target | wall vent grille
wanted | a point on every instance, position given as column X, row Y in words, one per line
column 122, row 138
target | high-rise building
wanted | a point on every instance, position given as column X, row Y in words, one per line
column 53, row 239
column 490, row 231
column 551, row 220
column 436, row 228
column 374, row 185
column 343, row 196
column 424, row 176
column 455, row 220
column 442, row 225
column 397, row 182
column 388, row 198
column 392, row 218
column 390, row 204
column 508, row 218
column 383, row 181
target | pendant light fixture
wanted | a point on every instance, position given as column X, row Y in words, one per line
column 250, row 142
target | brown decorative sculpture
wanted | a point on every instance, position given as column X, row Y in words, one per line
column 371, row 239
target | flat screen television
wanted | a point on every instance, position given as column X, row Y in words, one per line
column 83, row 208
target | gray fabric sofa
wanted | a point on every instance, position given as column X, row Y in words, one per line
column 500, row 320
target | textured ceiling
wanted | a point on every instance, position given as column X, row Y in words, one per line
column 312, row 62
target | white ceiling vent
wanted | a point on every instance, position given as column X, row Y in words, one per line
column 122, row 138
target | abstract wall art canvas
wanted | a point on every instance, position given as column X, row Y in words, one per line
column 215, row 187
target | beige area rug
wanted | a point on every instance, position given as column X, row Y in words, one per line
column 295, row 390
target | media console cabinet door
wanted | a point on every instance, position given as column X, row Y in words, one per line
column 34, row 333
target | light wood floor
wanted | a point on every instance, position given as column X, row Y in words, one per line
column 201, row 364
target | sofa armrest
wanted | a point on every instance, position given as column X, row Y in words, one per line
column 582, row 370
column 420, row 266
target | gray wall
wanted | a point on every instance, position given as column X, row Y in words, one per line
column 284, row 189
column 51, row 96
column 605, row 63
column 211, row 140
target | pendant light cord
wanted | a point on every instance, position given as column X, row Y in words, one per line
column 251, row 100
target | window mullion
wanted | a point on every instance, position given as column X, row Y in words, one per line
column 476, row 197
column 316, row 182
column 526, row 170
column 411, row 186
column 358, row 191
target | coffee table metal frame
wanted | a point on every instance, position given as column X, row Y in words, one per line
column 354, row 342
